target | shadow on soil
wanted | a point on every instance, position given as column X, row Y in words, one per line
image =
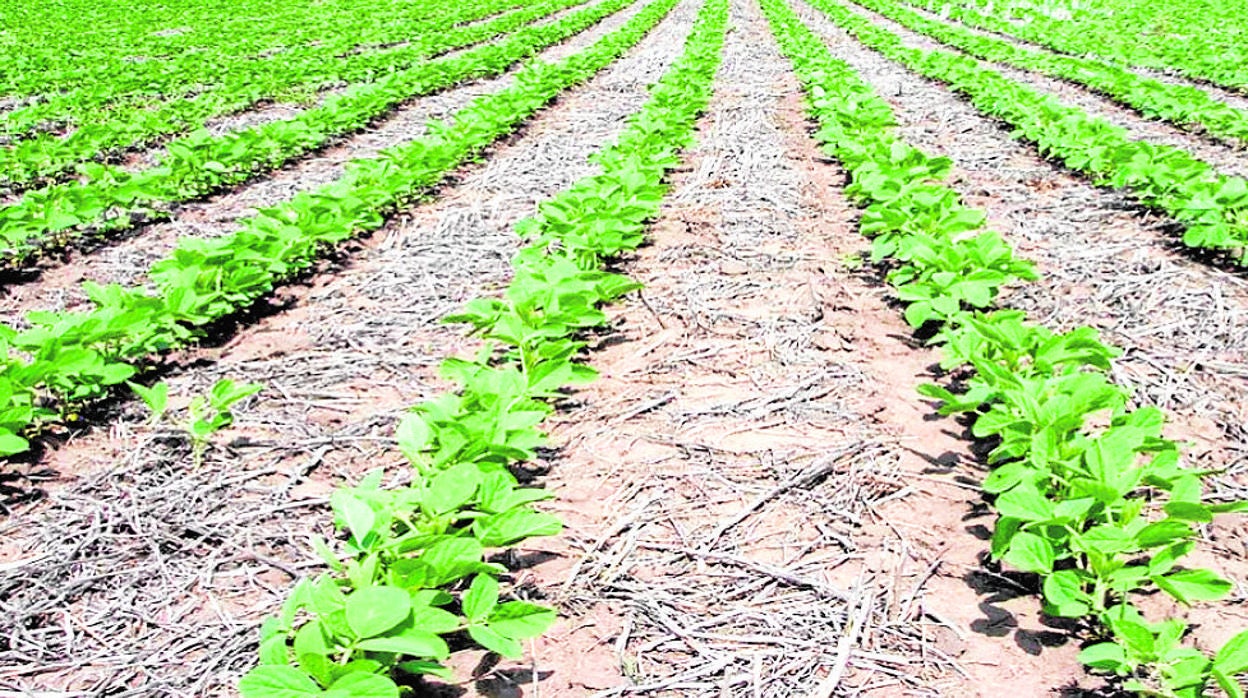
column 488, row 681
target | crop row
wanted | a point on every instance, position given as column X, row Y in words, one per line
column 1213, row 208
column 1202, row 40
column 64, row 358
column 110, row 199
column 188, row 96
column 1180, row 104
column 185, row 41
column 48, row 155
column 416, row 565
column 203, row 82
column 1101, row 513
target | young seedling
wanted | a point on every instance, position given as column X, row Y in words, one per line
column 156, row 398
column 211, row 413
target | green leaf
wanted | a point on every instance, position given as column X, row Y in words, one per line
column 1134, row 636
column 1007, row 476
column 1189, row 511
column 202, row 429
column 311, row 651
column 225, row 393
column 480, row 598
column 1166, row 558
column 452, row 488
column 1063, row 591
column 433, row 620
column 1227, row 683
column 325, row 597
column 1163, row 533
column 356, row 513
column 1106, row 656
column 1107, row 539
column 1127, row 578
column 514, row 525
column 1073, row 509
column 1004, row 532
column 495, row 642
column 361, row 685
column 521, row 619
column 273, row 650
column 1233, row 657
column 421, row 667
column 156, row 397
column 1030, row 553
column 1189, row 669
column 11, row 444
column 413, row 435
column 443, row 562
column 277, row 681
column 326, row 553
column 365, row 666
column 1229, row 508
column 918, row 313
column 310, row 639
column 373, row 610
column 1025, row 503
column 412, row 643
column 1193, row 585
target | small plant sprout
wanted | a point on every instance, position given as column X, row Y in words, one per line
column 211, row 413
column 156, row 398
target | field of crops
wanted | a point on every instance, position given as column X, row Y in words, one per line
column 696, row 348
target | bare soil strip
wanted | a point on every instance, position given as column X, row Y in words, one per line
column 1224, row 158
column 126, row 261
column 141, row 575
column 1183, row 324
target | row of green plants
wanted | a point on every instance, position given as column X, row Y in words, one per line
column 1088, row 494
column 1183, row 105
column 1202, row 39
column 226, row 76
column 184, row 41
column 45, row 156
column 1212, row 208
column 210, row 86
column 65, row 358
column 417, row 578
column 109, row 199
column 294, row 75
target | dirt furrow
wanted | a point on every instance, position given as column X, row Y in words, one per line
column 127, row 261
column 1183, row 324
column 141, row 575
column 1224, row 158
